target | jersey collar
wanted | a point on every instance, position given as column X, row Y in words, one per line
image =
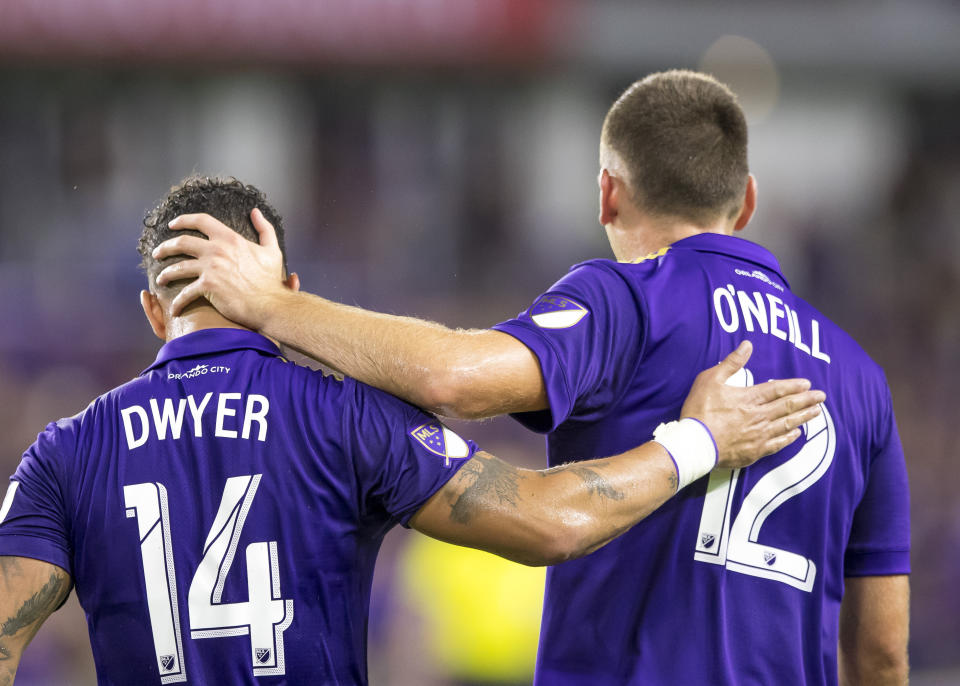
column 209, row 341
column 732, row 246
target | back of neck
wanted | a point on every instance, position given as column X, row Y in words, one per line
column 635, row 243
column 197, row 318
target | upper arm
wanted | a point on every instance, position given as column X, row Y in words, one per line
column 400, row 455
column 30, row 590
column 587, row 335
column 489, row 373
column 35, row 519
column 481, row 507
column 874, row 614
column 879, row 543
column 874, row 628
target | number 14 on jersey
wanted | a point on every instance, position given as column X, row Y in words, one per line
column 264, row 616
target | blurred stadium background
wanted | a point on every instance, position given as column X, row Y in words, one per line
column 438, row 158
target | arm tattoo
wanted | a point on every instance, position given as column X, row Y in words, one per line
column 490, row 479
column 35, row 609
column 673, row 480
column 596, row 484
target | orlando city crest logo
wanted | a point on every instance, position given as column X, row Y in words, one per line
column 441, row 441
column 556, row 312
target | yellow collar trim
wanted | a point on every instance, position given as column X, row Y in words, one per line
column 652, row 256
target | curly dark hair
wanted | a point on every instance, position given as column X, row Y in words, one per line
column 225, row 198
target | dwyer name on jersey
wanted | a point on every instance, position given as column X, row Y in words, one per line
column 169, row 416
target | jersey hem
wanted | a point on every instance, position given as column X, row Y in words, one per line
column 879, row 563
column 35, row 548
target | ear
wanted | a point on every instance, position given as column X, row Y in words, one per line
column 154, row 311
column 749, row 203
column 292, row 282
column 609, row 197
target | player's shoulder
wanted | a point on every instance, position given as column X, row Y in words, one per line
column 596, row 277
column 855, row 359
column 332, row 390
column 634, row 272
column 853, row 352
column 64, row 438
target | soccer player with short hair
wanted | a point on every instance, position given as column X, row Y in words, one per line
column 220, row 514
column 750, row 576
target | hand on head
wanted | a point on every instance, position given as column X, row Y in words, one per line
column 238, row 277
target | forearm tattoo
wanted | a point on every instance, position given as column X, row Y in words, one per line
column 596, row 483
column 490, row 479
column 672, row 479
column 34, row 609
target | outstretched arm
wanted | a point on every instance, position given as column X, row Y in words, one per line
column 30, row 590
column 469, row 374
column 543, row 517
column 453, row 372
column 548, row 516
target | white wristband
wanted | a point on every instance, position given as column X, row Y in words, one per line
column 691, row 447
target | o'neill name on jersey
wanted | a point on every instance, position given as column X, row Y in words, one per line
column 137, row 422
column 736, row 308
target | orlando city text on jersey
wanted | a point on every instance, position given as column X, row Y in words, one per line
column 221, row 514
column 738, row 579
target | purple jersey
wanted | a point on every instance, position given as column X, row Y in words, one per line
column 221, row 514
column 738, row 579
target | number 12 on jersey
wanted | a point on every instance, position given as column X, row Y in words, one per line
column 735, row 544
column 264, row 616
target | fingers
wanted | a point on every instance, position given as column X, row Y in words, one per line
column 775, row 445
column 786, row 430
column 268, row 236
column 193, row 246
column 796, row 419
column 185, row 269
column 735, row 361
column 204, row 223
column 778, row 388
column 191, row 292
column 796, row 402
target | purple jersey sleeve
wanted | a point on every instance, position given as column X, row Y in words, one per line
column 880, row 537
column 587, row 333
column 401, row 454
column 35, row 522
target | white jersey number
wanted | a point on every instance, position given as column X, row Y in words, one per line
column 735, row 544
column 264, row 616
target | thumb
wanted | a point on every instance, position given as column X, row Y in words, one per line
column 735, row 361
column 268, row 236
